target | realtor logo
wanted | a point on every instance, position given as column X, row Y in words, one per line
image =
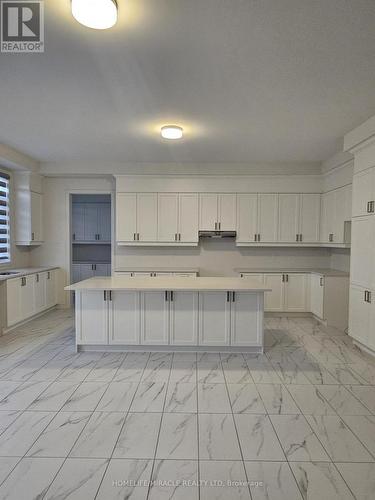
column 22, row 26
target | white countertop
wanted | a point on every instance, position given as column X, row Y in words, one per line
column 312, row 270
column 168, row 283
column 25, row 271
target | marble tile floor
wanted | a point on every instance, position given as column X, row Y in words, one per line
column 297, row 422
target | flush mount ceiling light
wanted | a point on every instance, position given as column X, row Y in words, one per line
column 171, row 132
column 96, row 14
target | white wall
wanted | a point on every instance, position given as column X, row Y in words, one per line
column 340, row 259
column 55, row 249
column 220, row 257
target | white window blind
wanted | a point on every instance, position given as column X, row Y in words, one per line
column 4, row 219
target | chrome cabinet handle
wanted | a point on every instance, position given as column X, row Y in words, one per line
column 228, row 296
column 233, row 296
column 175, row 236
column 133, row 236
column 321, row 281
column 255, row 237
column 179, row 236
column 32, row 236
column 297, row 237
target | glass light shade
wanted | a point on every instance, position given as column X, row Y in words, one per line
column 171, row 132
column 96, row 14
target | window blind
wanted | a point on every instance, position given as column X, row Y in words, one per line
column 4, row 218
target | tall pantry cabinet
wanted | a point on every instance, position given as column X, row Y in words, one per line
column 362, row 267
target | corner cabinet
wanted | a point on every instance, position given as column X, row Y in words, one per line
column 170, row 318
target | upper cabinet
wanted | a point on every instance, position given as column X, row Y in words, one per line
column 259, row 219
column 91, row 222
column 217, row 212
column 299, row 218
column 364, row 193
column 157, row 219
column 178, row 217
column 336, row 211
column 28, row 209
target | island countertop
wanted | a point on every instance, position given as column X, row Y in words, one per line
column 168, row 283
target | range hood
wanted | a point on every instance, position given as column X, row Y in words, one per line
column 217, row 234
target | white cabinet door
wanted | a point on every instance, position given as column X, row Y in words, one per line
column 92, row 317
column 208, row 212
column 78, row 221
column 296, row 287
column 104, row 221
column 188, row 215
column 317, row 295
column 126, row 217
column 147, row 216
column 328, row 217
column 51, row 288
column 363, row 191
column 27, row 297
column 184, row 318
column 124, row 317
column 13, row 301
column 247, row 218
column 246, row 319
column 362, row 269
column 36, row 217
column 289, row 211
column 274, row 300
column 40, row 285
column 359, row 315
column 167, row 217
column 154, row 318
column 91, row 221
column 214, row 318
column 310, row 218
column 227, row 212
column 268, row 217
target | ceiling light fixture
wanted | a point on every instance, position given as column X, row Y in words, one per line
column 96, row 14
column 171, row 132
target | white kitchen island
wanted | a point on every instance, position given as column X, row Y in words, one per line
column 169, row 314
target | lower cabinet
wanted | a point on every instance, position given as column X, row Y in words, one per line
column 274, row 300
column 289, row 292
column 124, row 327
column 92, row 317
column 183, row 323
column 30, row 295
column 317, row 295
column 295, row 292
column 154, row 318
column 182, row 318
column 214, row 318
column 362, row 316
column 40, row 284
column 245, row 319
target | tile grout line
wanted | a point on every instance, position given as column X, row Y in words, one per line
column 122, row 426
column 158, row 436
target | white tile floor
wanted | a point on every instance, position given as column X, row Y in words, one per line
column 295, row 423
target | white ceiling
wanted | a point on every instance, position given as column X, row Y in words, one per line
column 249, row 80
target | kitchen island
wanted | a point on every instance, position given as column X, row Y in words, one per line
column 169, row 314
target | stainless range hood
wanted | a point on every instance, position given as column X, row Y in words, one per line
column 217, row 234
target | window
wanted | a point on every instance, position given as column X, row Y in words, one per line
column 4, row 219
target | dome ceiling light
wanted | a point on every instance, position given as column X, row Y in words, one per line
column 96, row 14
column 171, row 132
